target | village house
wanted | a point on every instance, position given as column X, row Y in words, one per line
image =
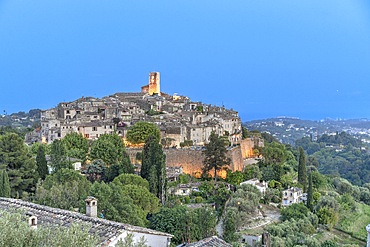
column 109, row 232
column 261, row 186
column 185, row 189
column 293, row 195
column 251, row 239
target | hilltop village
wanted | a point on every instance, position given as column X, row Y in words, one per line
column 179, row 119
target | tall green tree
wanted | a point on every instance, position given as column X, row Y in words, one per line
column 109, row 148
column 58, row 156
column 127, row 203
column 126, row 179
column 41, row 163
column 4, row 184
column 66, row 189
column 187, row 225
column 215, row 155
column 310, row 192
column 153, row 168
column 139, row 132
column 302, row 170
column 115, row 170
column 96, row 171
column 76, row 145
column 19, row 164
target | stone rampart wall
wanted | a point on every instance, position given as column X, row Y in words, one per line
column 192, row 160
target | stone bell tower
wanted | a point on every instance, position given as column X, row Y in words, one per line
column 154, row 83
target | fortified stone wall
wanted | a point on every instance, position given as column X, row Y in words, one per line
column 192, row 160
column 247, row 145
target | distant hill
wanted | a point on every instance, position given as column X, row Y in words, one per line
column 21, row 119
column 288, row 130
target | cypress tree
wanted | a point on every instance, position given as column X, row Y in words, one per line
column 153, row 167
column 42, row 167
column 302, row 171
column 58, row 156
column 4, row 184
column 310, row 193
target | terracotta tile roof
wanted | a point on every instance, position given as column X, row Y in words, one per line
column 213, row 241
column 106, row 230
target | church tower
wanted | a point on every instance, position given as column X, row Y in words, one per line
column 154, row 83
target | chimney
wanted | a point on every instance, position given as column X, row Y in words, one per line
column 32, row 220
column 91, row 206
column 368, row 235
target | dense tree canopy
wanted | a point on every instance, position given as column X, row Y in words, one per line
column 109, row 148
column 140, row 132
column 187, row 225
column 76, row 145
column 126, row 179
column 65, row 189
column 58, row 156
column 127, row 202
column 116, row 169
column 19, row 164
column 114, row 204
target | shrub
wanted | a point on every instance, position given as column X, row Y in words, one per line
column 198, row 199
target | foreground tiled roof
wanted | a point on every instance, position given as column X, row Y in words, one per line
column 213, row 241
column 48, row 216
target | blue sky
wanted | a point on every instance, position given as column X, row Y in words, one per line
column 307, row 58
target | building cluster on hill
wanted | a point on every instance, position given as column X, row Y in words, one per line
column 177, row 117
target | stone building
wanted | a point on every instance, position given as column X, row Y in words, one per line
column 293, row 195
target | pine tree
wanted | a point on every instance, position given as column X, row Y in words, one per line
column 215, row 155
column 19, row 164
column 302, row 170
column 42, row 167
column 4, row 184
column 310, row 193
column 153, row 167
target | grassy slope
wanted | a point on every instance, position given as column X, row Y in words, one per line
column 355, row 223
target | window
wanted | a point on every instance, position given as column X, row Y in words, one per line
column 95, row 128
column 86, row 135
column 67, row 111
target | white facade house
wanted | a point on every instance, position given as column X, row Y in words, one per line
column 293, row 195
column 261, row 186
